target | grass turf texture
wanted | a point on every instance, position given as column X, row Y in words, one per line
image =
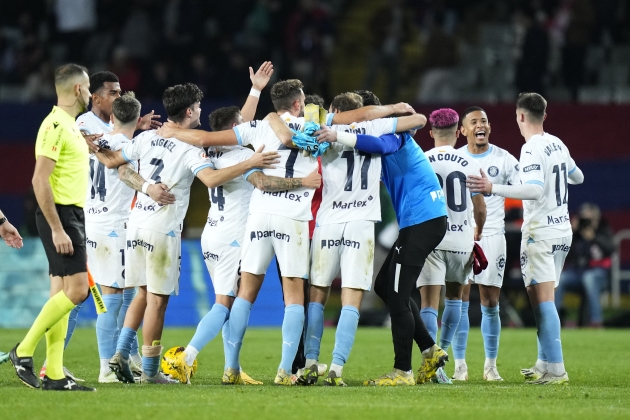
column 597, row 362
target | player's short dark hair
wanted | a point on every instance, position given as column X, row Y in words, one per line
column 126, row 109
column 369, row 98
column 223, row 118
column 68, row 71
column 314, row 99
column 534, row 104
column 470, row 110
column 285, row 92
column 98, row 80
column 347, row 102
column 177, row 99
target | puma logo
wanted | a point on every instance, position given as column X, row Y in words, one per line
column 398, row 248
column 233, row 344
column 287, row 343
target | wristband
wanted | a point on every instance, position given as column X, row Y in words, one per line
column 145, row 187
column 254, row 92
column 2, row 220
column 347, row 139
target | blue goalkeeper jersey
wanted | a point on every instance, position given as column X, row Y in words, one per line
column 412, row 183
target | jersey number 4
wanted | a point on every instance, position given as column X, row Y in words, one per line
column 453, row 179
column 97, row 174
column 217, row 197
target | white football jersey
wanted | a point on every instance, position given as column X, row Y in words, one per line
column 108, row 201
column 230, row 202
column 546, row 161
column 92, row 124
column 452, row 167
column 170, row 162
column 294, row 204
column 352, row 178
column 501, row 168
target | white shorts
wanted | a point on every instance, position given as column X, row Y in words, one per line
column 106, row 258
column 269, row 234
column 441, row 265
column 542, row 261
column 224, row 265
column 347, row 245
column 153, row 260
column 494, row 249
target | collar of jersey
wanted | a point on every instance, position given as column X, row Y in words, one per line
column 484, row 154
column 101, row 121
column 63, row 115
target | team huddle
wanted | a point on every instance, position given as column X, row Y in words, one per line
column 302, row 187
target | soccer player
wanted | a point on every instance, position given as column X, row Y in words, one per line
column 421, row 214
column 9, row 234
column 60, row 181
column 450, row 263
column 344, row 235
column 546, row 170
column 502, row 168
column 154, row 231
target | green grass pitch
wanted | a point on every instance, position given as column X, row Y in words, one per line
column 598, row 363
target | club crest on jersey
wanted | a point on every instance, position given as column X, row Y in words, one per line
column 523, row 260
column 501, row 262
column 493, row 171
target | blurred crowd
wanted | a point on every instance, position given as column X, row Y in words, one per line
column 439, row 50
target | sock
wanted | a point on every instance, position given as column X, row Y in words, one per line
column 239, row 317
column 344, row 337
column 541, row 353
column 490, row 363
column 292, row 326
column 107, row 326
column 490, row 330
column 556, row 369
column 450, row 320
column 225, row 334
column 72, row 323
column 337, row 369
column 542, row 358
column 541, row 365
column 124, row 342
column 429, row 317
column 104, row 367
column 314, row 332
column 56, row 308
column 461, row 335
column 151, row 359
column 209, row 326
column 549, row 334
column 127, row 298
column 191, row 354
column 459, row 362
column 54, row 348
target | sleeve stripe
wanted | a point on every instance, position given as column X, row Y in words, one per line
column 474, row 194
column 251, row 171
column 202, row 167
column 542, row 184
column 329, row 118
column 239, row 139
column 125, row 156
column 572, row 170
column 395, row 124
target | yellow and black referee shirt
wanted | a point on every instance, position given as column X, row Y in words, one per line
column 59, row 139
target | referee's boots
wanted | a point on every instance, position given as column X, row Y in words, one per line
column 24, row 368
column 65, row 384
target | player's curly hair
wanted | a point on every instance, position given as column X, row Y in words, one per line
column 98, row 80
column 369, row 98
column 347, row 102
column 314, row 99
column 534, row 104
column 126, row 109
column 177, row 99
column 443, row 118
column 223, row 118
column 285, row 92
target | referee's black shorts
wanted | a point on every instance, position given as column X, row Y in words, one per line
column 73, row 222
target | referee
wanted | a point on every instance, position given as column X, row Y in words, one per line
column 60, row 182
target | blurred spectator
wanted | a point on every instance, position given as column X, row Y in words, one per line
column 126, row 70
column 390, row 29
column 438, row 62
column 531, row 66
column 577, row 38
column 156, row 82
column 40, row 85
column 587, row 266
column 138, row 35
column 75, row 20
column 314, row 99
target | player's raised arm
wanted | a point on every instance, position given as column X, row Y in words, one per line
column 411, row 122
column 283, row 132
column 384, row 145
column 273, row 183
column 372, row 112
column 215, row 177
column 198, row 138
column 259, row 81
